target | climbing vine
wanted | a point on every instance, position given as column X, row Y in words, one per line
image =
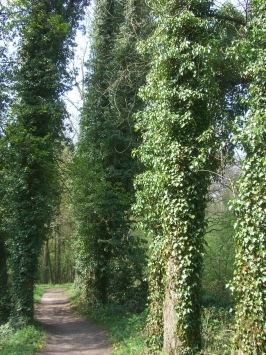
column 249, row 285
column 34, row 136
column 109, row 259
column 184, row 125
column 5, row 77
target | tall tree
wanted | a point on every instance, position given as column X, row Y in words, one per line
column 46, row 29
column 4, row 284
column 108, row 256
column 184, row 125
column 5, row 68
column 250, row 203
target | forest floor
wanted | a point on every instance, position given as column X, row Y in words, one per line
column 67, row 332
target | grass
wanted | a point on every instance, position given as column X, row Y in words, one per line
column 39, row 291
column 217, row 331
column 127, row 330
column 41, row 288
column 26, row 341
column 30, row 339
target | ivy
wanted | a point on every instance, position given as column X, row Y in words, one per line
column 4, row 285
column 110, row 258
column 184, row 127
column 248, row 285
column 5, row 80
column 34, row 138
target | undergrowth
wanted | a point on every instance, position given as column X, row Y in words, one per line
column 39, row 291
column 217, row 331
column 127, row 330
column 30, row 339
column 25, row 341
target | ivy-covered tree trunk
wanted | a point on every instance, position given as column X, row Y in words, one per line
column 184, row 126
column 109, row 258
column 4, row 289
column 35, row 137
column 5, row 76
column 249, row 285
column 93, row 249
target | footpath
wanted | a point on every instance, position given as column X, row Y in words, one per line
column 67, row 332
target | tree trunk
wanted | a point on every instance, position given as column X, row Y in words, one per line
column 50, row 265
column 171, row 341
column 4, row 299
column 45, row 264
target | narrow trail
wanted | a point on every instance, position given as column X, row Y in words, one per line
column 68, row 333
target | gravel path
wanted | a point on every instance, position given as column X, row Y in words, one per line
column 68, row 333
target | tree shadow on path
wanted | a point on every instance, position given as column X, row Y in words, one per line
column 68, row 333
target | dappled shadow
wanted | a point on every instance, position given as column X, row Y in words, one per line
column 68, row 333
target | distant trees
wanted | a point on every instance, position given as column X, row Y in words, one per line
column 219, row 254
column 58, row 255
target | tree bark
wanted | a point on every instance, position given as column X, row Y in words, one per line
column 171, row 340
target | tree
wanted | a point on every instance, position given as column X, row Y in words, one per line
column 250, row 270
column 5, row 69
column 4, row 284
column 109, row 258
column 184, row 128
column 46, row 29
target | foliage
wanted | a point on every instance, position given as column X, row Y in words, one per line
column 4, row 252
column 248, row 285
column 110, row 259
column 219, row 252
column 39, row 289
column 216, row 331
column 4, row 287
column 34, row 137
column 184, row 128
column 56, row 263
column 125, row 329
column 5, row 79
column 26, row 341
column 201, row 76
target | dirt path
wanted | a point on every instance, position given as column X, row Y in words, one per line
column 68, row 333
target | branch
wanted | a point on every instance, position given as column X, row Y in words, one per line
column 228, row 18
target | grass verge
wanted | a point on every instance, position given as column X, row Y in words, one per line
column 26, row 341
column 127, row 330
column 30, row 339
column 41, row 288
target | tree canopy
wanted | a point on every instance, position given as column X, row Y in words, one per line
column 173, row 90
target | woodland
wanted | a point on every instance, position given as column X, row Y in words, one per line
column 158, row 204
